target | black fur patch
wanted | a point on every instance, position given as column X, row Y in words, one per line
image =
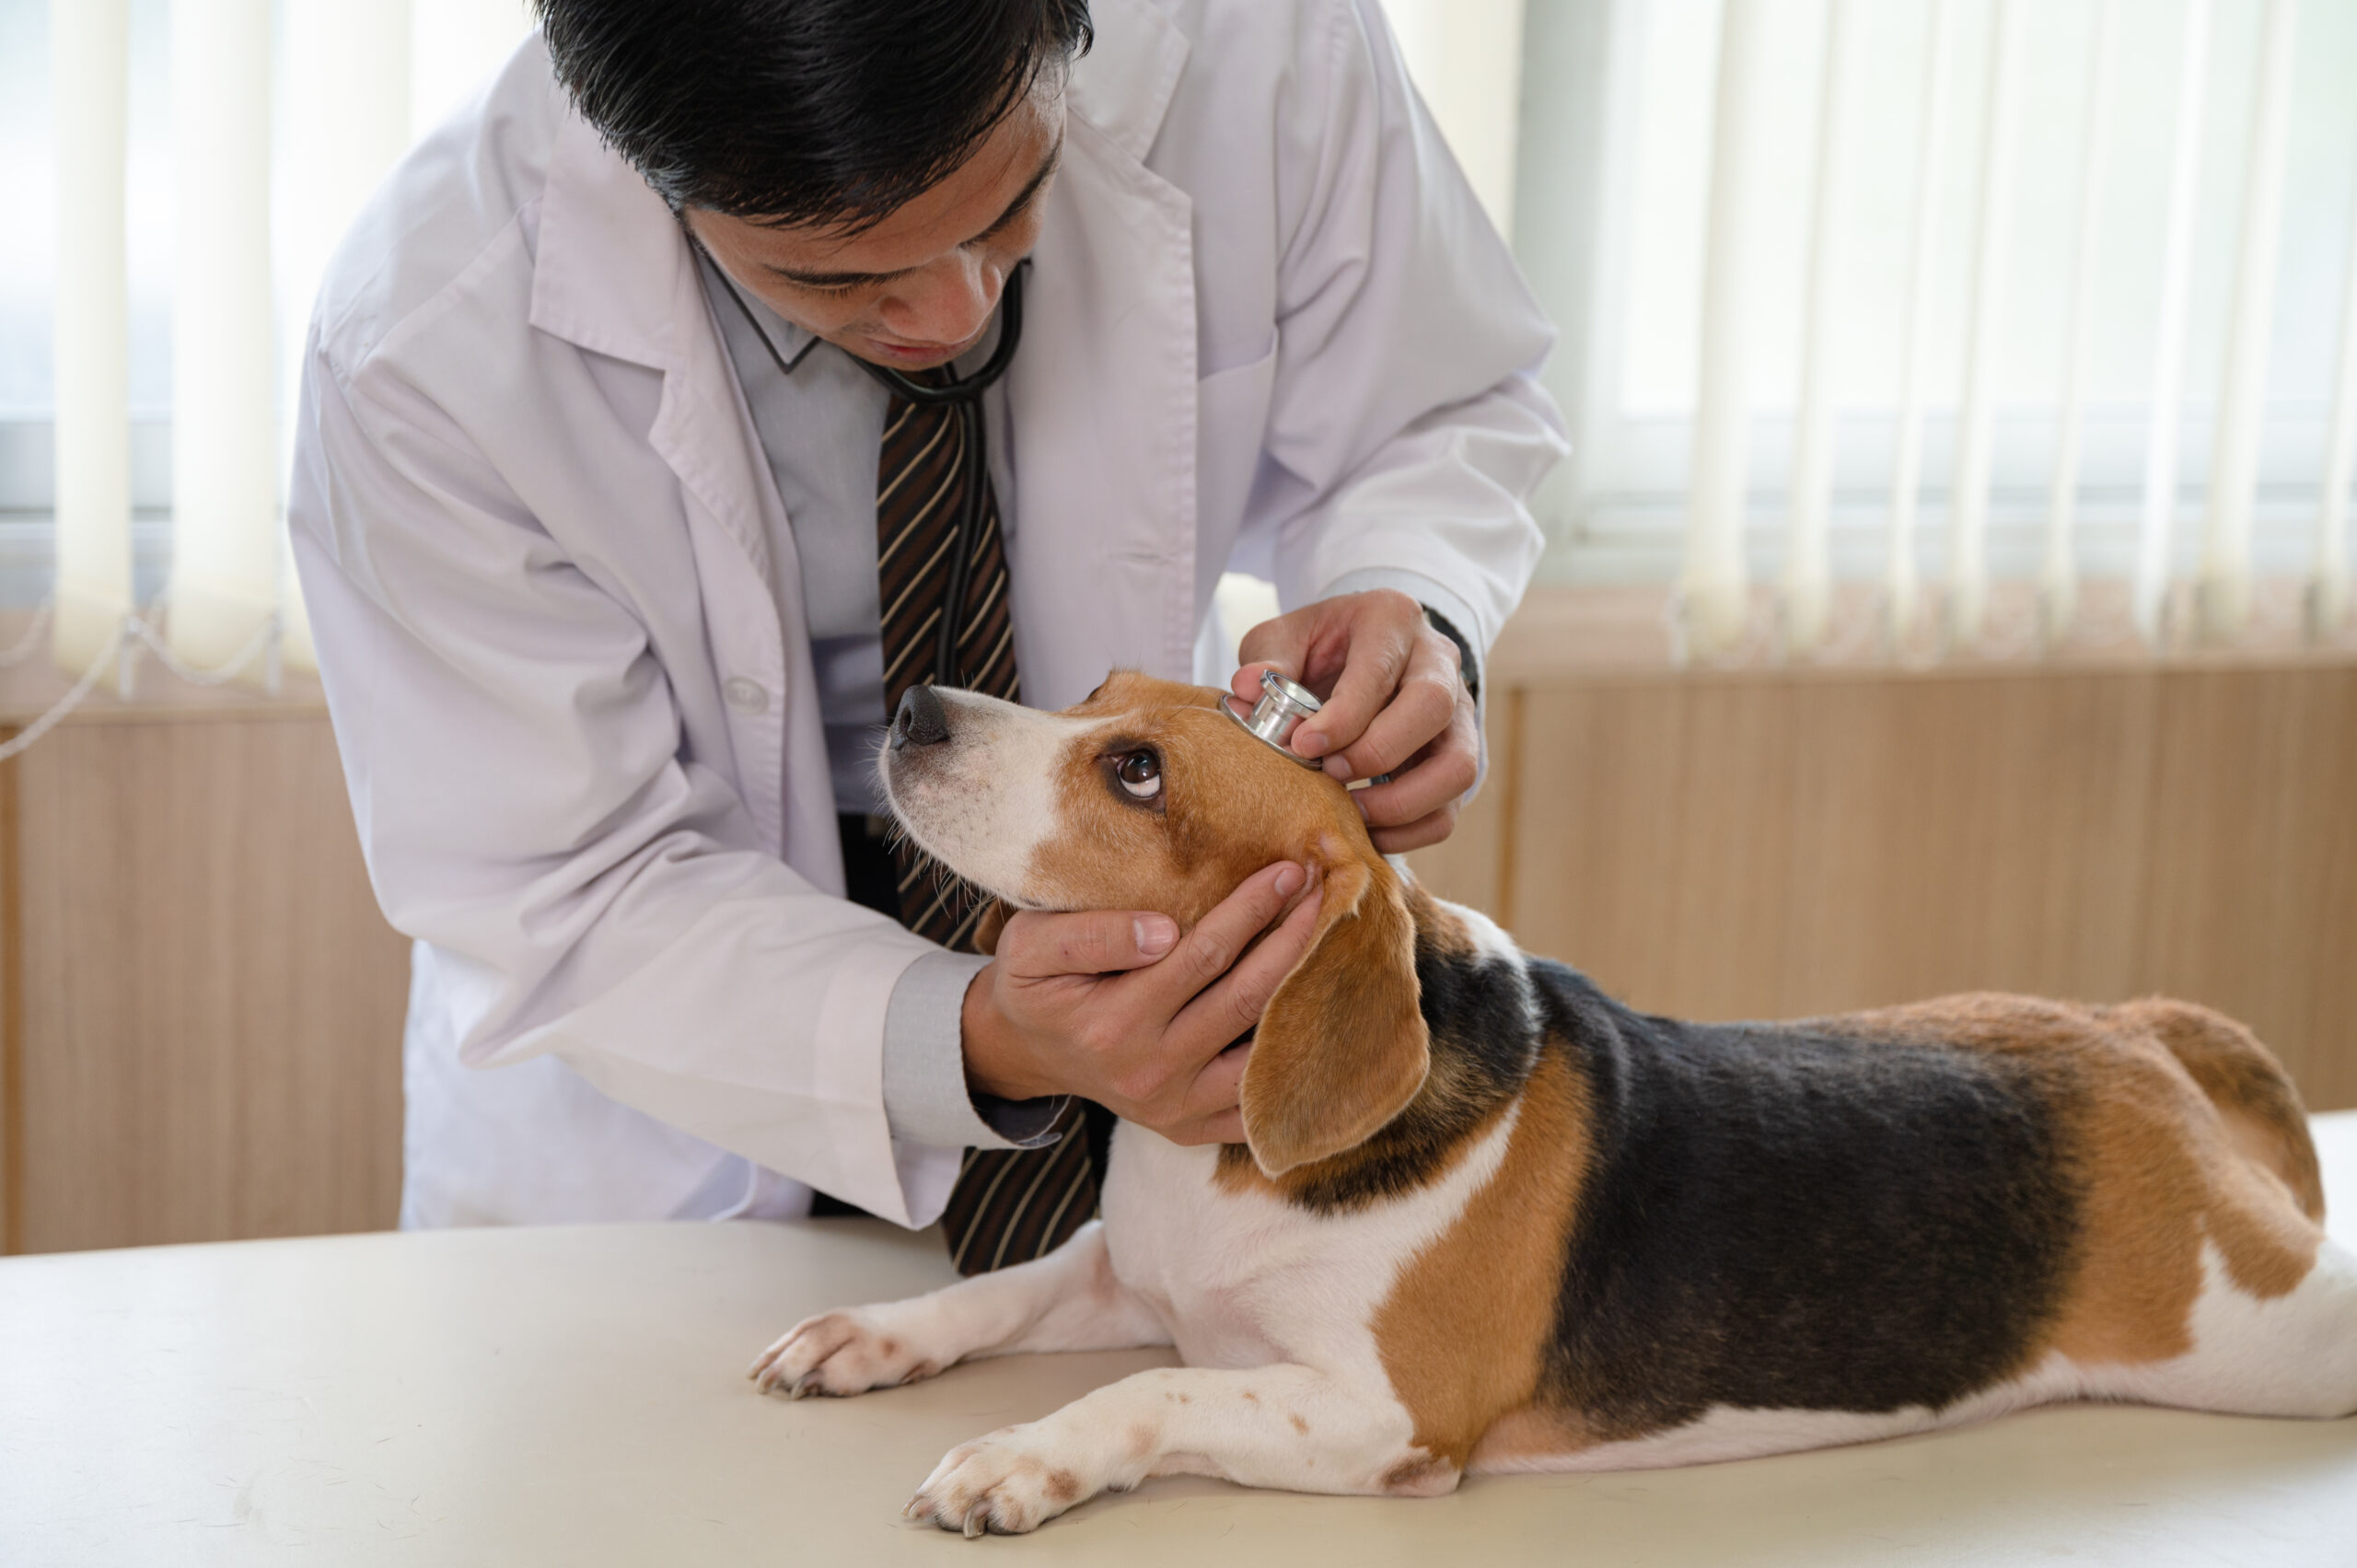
column 1779, row 1219
column 1483, row 1021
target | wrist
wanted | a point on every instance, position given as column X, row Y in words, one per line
column 986, row 1037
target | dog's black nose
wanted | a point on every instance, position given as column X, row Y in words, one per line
column 921, row 721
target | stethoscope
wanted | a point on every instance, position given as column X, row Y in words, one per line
column 965, row 394
column 1284, row 704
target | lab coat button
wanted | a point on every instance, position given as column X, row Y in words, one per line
column 746, row 695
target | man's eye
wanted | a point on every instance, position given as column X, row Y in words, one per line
column 1140, row 774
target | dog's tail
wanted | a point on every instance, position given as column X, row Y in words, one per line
column 2254, row 1096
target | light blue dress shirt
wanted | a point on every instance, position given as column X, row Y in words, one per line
column 822, row 430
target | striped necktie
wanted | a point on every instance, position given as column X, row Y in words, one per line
column 1009, row 1206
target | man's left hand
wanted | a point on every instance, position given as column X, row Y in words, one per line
column 1394, row 702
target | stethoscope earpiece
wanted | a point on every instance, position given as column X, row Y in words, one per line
column 964, row 395
column 1283, row 705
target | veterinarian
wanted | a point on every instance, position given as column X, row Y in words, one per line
column 641, row 465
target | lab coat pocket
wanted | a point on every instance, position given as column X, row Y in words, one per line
column 1231, row 430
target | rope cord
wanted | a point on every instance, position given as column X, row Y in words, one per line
column 136, row 631
column 31, row 639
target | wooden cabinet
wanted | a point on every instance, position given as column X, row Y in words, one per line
column 200, row 1005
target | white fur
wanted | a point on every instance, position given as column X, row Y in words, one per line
column 1244, row 1279
column 1489, row 938
column 1066, row 1301
column 985, row 800
column 2293, row 1355
column 1725, row 1432
column 1272, row 1306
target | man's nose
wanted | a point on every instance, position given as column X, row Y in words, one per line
column 921, row 720
column 949, row 305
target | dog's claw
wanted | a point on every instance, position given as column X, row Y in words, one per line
column 977, row 1523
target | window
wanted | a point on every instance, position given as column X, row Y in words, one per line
column 1614, row 171
column 452, row 44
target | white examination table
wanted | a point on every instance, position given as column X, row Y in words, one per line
column 576, row 1396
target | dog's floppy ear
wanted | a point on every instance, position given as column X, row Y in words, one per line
column 1343, row 1046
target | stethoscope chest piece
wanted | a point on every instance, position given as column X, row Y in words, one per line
column 1282, row 707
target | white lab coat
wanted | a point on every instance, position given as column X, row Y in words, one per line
column 1267, row 327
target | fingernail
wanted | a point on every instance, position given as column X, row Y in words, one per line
column 1309, row 742
column 1335, row 768
column 1155, row 934
column 1290, row 880
column 1362, row 806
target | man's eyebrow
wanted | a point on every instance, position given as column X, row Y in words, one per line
column 1023, row 199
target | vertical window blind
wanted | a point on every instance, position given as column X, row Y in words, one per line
column 1961, row 327
column 203, row 157
column 1951, row 327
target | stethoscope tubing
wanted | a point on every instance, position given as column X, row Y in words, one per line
column 966, row 393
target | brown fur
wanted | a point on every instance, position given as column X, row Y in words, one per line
column 2161, row 1168
column 1115, row 854
column 2261, row 1107
column 1342, row 1046
column 1436, row 1126
column 1464, row 1330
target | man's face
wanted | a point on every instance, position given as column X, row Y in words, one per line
column 918, row 289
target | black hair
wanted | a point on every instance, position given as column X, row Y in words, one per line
column 825, row 112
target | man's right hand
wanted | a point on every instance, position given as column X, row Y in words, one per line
column 1118, row 1007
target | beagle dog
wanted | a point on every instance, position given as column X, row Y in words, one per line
column 1487, row 1218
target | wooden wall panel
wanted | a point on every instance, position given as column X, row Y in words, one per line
column 12, row 1012
column 2250, row 903
column 1771, row 846
column 1469, row 864
column 212, row 1004
column 200, row 1007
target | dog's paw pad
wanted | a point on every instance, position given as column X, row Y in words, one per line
column 838, row 1353
column 1002, row 1484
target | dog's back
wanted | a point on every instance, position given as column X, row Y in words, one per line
column 1789, row 1234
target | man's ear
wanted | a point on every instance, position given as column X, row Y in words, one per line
column 1342, row 1046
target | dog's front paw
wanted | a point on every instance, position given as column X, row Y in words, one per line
column 841, row 1353
column 1011, row 1481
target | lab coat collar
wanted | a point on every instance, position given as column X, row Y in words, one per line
column 608, row 271
column 1124, row 85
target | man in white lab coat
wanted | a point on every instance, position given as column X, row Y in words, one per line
column 586, row 511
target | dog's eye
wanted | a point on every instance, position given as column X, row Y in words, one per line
column 1140, row 774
